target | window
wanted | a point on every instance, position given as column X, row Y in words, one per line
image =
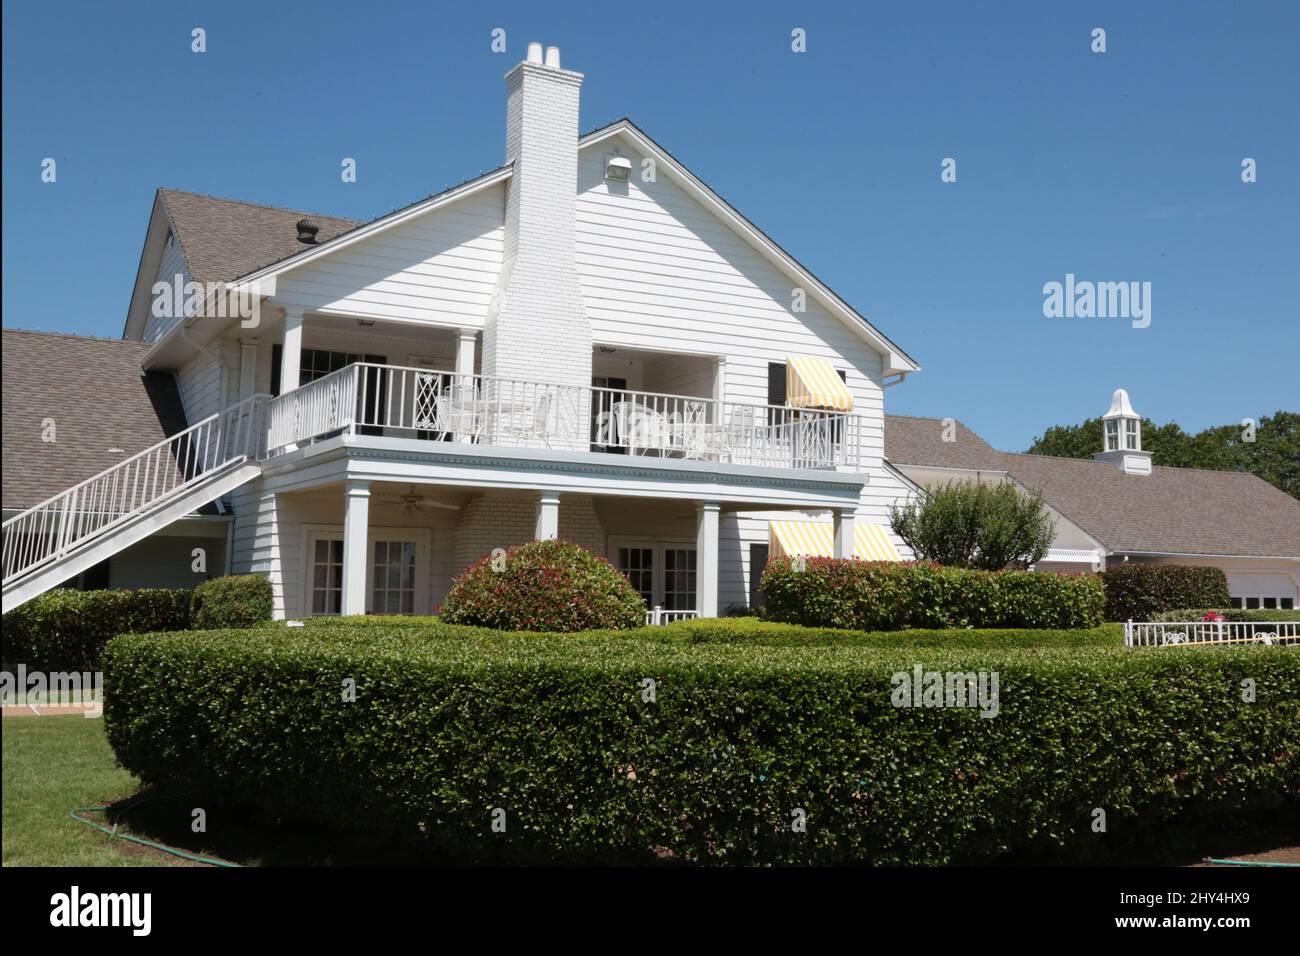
column 1131, row 434
column 1237, row 602
column 776, row 395
column 327, row 576
column 1270, row 604
column 662, row 573
column 1252, row 604
column 757, row 562
column 392, row 577
column 1112, row 435
column 1286, row 604
column 639, row 566
column 679, row 579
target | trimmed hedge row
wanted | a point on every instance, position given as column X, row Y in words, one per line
column 1229, row 614
column 883, row 596
column 66, row 630
column 1135, row 592
column 556, row 734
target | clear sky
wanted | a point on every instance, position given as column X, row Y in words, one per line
column 1115, row 166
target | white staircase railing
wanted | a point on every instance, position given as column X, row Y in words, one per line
column 54, row 528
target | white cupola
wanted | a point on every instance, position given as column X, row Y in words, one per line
column 1121, row 435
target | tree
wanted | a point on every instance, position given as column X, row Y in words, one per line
column 972, row 525
column 1274, row 455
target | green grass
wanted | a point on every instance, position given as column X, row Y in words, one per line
column 53, row 765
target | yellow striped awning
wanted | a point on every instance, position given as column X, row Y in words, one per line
column 817, row 539
column 814, row 383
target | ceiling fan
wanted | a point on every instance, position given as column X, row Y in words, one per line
column 413, row 501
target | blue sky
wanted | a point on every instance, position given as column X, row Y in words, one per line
column 1122, row 166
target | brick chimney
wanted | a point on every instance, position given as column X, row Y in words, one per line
column 537, row 327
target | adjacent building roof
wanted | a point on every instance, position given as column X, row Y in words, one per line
column 1171, row 511
column 98, row 400
column 223, row 239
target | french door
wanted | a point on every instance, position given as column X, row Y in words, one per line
column 397, row 571
column 663, row 573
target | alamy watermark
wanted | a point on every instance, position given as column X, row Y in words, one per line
column 81, row 690
column 958, row 689
column 1098, row 300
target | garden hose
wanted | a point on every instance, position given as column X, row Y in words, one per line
column 104, row 808
column 1210, row 859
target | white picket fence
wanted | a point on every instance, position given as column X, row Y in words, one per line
column 1205, row 633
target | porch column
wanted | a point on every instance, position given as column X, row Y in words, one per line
column 706, row 558
column 465, row 345
column 548, row 517
column 844, row 532
column 356, row 528
column 247, row 368
column 291, row 352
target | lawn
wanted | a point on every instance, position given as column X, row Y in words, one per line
column 53, row 765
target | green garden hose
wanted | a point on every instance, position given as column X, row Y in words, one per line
column 76, row 815
column 1210, row 859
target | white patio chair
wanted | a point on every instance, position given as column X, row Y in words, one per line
column 533, row 427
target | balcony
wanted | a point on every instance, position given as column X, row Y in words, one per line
column 437, row 406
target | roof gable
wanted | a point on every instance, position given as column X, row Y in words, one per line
column 895, row 360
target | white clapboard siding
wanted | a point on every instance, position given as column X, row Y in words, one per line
column 439, row 268
column 660, row 272
column 171, row 265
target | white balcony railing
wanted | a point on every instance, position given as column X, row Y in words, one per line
column 444, row 406
column 1169, row 634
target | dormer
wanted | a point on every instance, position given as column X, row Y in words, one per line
column 1121, row 435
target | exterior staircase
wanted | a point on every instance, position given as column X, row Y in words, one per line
column 76, row 529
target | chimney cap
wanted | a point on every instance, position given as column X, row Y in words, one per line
column 307, row 229
column 534, row 52
column 553, row 57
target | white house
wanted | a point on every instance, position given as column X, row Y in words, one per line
column 586, row 342
column 1119, row 508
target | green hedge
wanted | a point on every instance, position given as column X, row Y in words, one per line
column 66, row 630
column 1229, row 614
column 552, row 586
column 1135, row 592
column 881, row 596
column 240, row 600
column 554, row 731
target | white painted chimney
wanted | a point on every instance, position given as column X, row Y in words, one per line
column 1121, row 437
column 537, row 328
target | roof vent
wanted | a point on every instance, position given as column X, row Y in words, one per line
column 307, row 229
column 618, row 169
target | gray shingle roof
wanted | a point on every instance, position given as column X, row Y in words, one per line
column 1172, row 510
column 99, row 400
column 223, row 239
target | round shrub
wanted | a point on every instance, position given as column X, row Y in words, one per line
column 544, row 586
column 238, row 600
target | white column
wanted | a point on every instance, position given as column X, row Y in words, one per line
column 291, row 352
column 356, row 528
column 247, row 368
column 548, row 517
column 465, row 346
column 706, row 558
column 844, row 532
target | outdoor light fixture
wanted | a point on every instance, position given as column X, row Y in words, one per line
column 618, row 169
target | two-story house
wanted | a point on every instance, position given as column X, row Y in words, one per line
column 585, row 342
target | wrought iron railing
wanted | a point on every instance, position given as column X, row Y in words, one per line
column 1202, row 633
